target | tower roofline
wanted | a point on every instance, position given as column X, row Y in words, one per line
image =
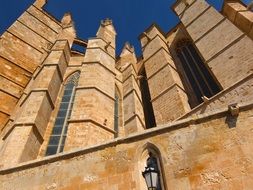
column 153, row 25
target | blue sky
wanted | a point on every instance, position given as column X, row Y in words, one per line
column 130, row 17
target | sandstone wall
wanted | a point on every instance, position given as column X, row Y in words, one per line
column 22, row 49
column 221, row 44
column 197, row 154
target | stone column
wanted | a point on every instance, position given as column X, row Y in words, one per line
column 92, row 117
column 22, row 143
column 221, row 44
column 133, row 108
column 168, row 96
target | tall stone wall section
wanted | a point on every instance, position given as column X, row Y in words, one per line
column 22, row 49
column 168, row 96
column 238, row 14
column 92, row 118
column 132, row 102
column 23, row 140
column 221, row 44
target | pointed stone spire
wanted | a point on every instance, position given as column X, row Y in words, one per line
column 68, row 32
column 67, row 20
column 40, row 3
column 127, row 56
column 107, row 31
column 128, row 47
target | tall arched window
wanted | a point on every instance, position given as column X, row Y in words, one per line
column 116, row 113
column 201, row 80
column 59, row 133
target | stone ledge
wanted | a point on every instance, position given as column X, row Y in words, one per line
column 91, row 121
column 131, row 138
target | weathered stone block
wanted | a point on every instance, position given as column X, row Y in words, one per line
column 193, row 11
column 7, row 102
column 244, row 21
column 39, row 27
column 238, row 58
column 219, row 38
column 28, row 58
column 203, row 23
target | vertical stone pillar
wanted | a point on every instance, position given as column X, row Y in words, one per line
column 23, row 142
column 133, row 109
column 221, row 44
column 168, row 96
column 92, row 117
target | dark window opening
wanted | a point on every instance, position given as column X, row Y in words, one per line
column 201, row 80
column 78, row 47
column 146, row 99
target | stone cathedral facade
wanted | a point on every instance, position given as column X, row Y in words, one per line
column 87, row 120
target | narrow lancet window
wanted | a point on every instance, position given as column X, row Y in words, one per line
column 116, row 113
column 200, row 78
column 146, row 99
column 59, row 133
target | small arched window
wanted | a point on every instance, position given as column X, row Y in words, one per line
column 151, row 159
column 200, row 78
column 58, row 136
